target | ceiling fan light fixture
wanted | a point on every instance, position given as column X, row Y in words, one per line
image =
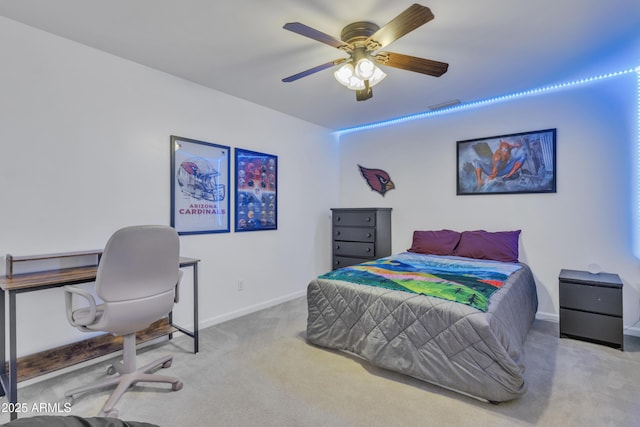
column 344, row 74
column 365, row 68
column 347, row 75
column 378, row 76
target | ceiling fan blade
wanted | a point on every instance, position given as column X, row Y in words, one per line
column 313, row 70
column 412, row 18
column 412, row 63
column 314, row 34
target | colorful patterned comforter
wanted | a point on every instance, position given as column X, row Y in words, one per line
column 457, row 346
column 465, row 281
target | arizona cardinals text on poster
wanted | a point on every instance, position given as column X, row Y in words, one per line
column 202, row 210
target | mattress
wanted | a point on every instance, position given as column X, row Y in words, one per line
column 444, row 342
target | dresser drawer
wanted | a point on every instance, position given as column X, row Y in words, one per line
column 355, row 249
column 355, row 218
column 354, row 234
column 591, row 326
column 344, row 261
column 597, row 299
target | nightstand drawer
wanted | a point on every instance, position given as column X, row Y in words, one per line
column 354, row 234
column 606, row 329
column 597, row 299
column 355, row 218
column 355, row 249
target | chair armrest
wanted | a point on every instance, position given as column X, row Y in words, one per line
column 69, row 291
column 176, row 298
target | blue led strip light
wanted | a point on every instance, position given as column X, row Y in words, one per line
column 636, row 210
column 482, row 103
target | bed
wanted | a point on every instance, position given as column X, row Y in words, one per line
column 455, row 315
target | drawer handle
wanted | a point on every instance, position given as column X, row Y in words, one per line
column 338, row 218
column 368, row 250
column 337, row 246
column 337, row 233
column 368, row 234
column 368, row 219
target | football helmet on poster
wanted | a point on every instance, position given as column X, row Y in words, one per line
column 199, row 179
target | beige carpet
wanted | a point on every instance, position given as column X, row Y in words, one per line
column 259, row 371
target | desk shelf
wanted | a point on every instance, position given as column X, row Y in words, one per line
column 11, row 260
column 64, row 356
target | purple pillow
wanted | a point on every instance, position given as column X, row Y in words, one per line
column 498, row 246
column 441, row 242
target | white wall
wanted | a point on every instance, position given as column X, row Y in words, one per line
column 85, row 150
column 588, row 220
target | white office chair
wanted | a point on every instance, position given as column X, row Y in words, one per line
column 137, row 279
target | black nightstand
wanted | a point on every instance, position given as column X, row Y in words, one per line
column 591, row 307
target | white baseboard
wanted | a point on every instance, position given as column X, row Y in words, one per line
column 250, row 309
column 549, row 317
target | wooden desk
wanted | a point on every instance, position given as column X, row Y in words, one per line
column 30, row 282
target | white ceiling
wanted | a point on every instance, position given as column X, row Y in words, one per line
column 493, row 47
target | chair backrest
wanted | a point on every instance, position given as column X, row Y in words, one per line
column 139, row 262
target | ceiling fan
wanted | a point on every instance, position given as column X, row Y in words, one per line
column 362, row 40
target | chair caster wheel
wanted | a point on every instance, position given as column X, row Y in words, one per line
column 167, row 364
column 111, row 370
column 177, row 386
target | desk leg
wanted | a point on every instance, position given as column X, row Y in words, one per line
column 9, row 380
column 170, row 324
column 12, row 394
column 3, row 353
column 193, row 334
column 196, row 345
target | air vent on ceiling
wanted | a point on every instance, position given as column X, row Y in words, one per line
column 444, row 105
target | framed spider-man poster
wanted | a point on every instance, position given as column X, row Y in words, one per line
column 256, row 198
column 508, row 164
column 199, row 186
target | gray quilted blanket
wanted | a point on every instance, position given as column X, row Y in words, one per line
column 442, row 342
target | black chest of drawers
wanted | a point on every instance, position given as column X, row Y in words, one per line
column 359, row 235
column 591, row 307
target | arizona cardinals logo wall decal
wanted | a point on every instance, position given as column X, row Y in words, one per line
column 377, row 179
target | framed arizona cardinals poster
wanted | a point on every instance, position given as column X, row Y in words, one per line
column 199, row 186
column 256, row 202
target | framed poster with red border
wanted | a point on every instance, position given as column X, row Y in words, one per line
column 199, row 186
